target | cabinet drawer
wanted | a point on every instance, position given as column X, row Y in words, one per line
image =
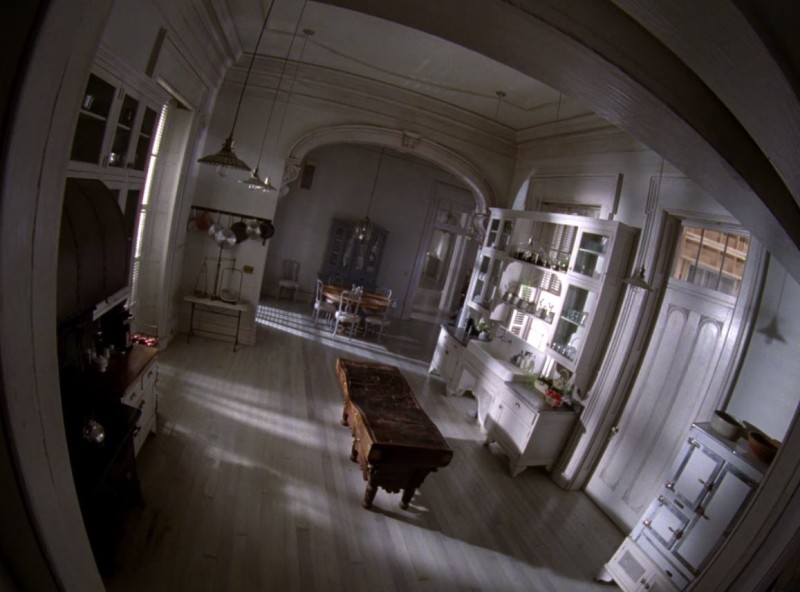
column 524, row 414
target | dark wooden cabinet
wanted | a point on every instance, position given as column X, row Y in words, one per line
column 349, row 261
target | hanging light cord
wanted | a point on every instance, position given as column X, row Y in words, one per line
column 375, row 182
column 306, row 34
column 280, row 83
column 249, row 68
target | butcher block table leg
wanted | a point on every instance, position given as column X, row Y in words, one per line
column 372, row 489
column 408, row 494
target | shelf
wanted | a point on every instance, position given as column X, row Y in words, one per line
column 93, row 115
column 571, row 322
column 591, row 252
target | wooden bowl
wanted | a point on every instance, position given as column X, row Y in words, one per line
column 726, row 425
column 762, row 446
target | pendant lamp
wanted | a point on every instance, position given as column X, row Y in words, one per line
column 226, row 158
column 363, row 230
column 772, row 330
column 254, row 181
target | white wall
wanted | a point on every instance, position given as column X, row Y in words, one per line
column 766, row 393
column 341, row 189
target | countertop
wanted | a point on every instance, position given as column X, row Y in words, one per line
column 459, row 335
column 123, row 370
column 534, row 397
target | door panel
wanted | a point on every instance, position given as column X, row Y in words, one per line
column 672, row 386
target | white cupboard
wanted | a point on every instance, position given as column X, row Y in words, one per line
column 142, row 395
column 530, row 432
column 710, row 484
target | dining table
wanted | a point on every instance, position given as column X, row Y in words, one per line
column 371, row 303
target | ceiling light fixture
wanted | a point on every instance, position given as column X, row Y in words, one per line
column 254, row 181
column 226, row 158
column 638, row 279
column 363, row 230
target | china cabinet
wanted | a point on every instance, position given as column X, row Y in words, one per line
column 562, row 276
column 115, row 128
column 348, row 261
column 709, row 485
column 114, row 132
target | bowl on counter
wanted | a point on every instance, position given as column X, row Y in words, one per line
column 725, row 425
column 762, row 446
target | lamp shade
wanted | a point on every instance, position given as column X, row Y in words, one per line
column 500, row 312
column 226, row 158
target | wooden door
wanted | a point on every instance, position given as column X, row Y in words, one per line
column 673, row 387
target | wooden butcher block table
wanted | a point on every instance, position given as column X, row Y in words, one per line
column 394, row 441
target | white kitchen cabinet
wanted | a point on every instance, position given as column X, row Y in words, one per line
column 530, row 432
column 453, row 363
column 709, row 485
column 142, row 394
column 634, row 571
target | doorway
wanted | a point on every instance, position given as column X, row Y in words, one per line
column 444, row 252
column 680, row 380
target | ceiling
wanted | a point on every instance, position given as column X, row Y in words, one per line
column 367, row 46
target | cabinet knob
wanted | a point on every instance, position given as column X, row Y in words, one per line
column 693, row 442
column 678, row 533
column 516, row 405
column 614, row 430
column 670, row 485
column 647, row 522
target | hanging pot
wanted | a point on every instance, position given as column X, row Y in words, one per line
column 253, row 231
column 267, row 230
column 240, row 231
column 204, row 221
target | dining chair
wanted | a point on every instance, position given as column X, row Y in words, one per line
column 384, row 292
column 349, row 312
column 322, row 306
column 288, row 281
column 379, row 321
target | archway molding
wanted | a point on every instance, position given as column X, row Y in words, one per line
column 399, row 140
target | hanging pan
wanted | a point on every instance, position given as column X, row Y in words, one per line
column 240, row 231
column 267, row 230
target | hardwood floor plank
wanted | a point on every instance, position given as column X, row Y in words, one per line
column 249, row 485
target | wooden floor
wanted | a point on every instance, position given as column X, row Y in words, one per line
column 248, row 485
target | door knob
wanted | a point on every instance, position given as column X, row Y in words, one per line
column 614, row 430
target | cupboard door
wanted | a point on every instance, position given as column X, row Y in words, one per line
column 730, row 492
column 665, row 523
column 695, row 474
column 90, row 133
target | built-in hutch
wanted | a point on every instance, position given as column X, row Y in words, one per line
column 550, row 285
column 561, row 276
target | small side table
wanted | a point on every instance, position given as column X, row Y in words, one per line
column 217, row 307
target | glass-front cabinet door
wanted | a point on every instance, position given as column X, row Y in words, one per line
column 90, row 133
column 592, row 254
column 487, row 283
column 499, row 233
column 573, row 320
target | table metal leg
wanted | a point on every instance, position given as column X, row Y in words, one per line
column 236, row 337
column 191, row 324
